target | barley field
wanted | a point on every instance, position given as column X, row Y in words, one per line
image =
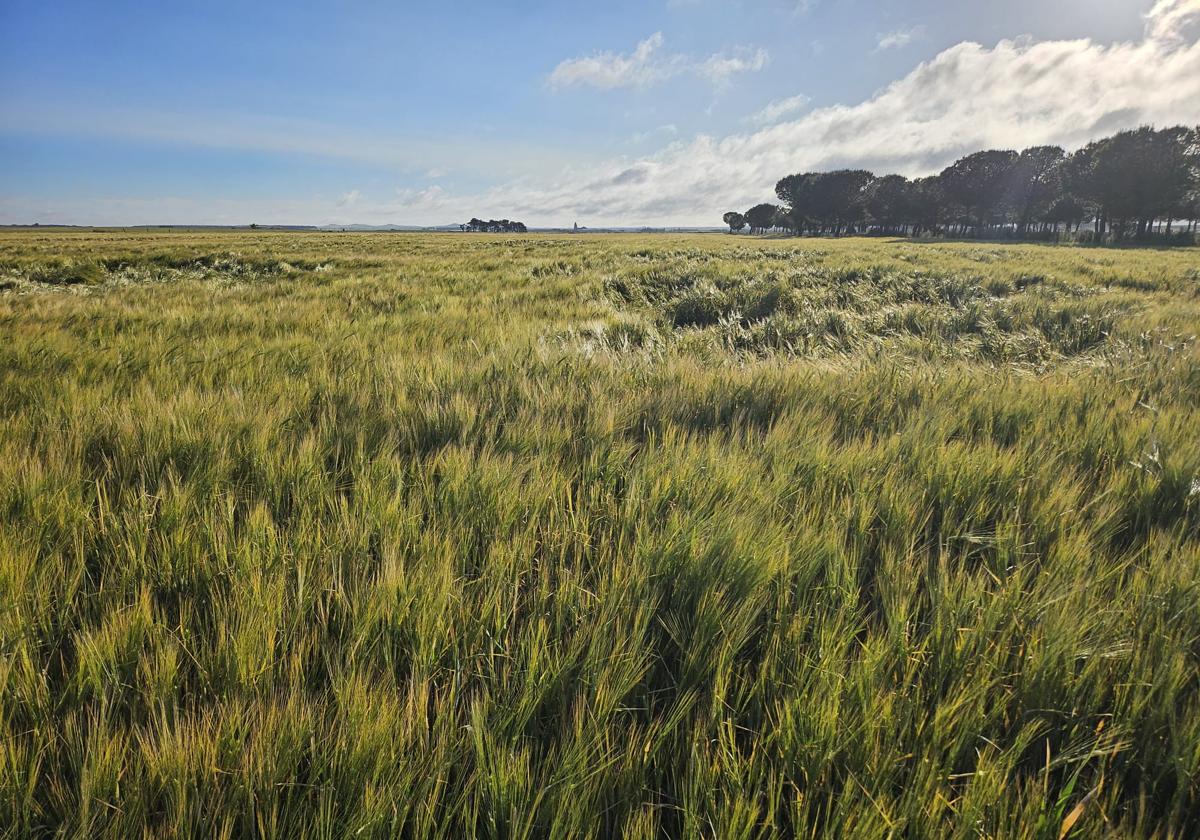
column 450, row 536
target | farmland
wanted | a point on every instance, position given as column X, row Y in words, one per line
column 385, row 535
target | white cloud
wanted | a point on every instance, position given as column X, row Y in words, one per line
column 779, row 108
column 720, row 68
column 1174, row 21
column 607, row 70
column 648, row 64
column 899, row 37
column 349, row 199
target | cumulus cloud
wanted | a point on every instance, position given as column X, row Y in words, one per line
column 648, row 64
column 1174, row 21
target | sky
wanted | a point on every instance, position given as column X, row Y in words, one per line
column 655, row 112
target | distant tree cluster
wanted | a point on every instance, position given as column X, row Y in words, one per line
column 493, row 226
column 1133, row 185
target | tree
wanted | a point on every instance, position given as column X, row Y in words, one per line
column 1136, row 177
column 798, row 193
column 736, row 221
column 494, row 226
column 761, row 217
column 978, row 185
column 783, row 220
column 1133, row 183
column 1067, row 211
column 844, row 192
column 928, row 205
column 1105, row 174
column 825, row 201
column 889, row 202
column 1034, row 182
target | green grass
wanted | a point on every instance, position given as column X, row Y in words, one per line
column 454, row 536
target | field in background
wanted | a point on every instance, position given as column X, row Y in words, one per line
column 674, row 536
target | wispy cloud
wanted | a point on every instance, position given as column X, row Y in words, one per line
column 607, row 70
column 899, row 37
column 721, row 68
column 778, row 109
column 648, row 64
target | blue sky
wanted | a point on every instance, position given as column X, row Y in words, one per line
column 655, row 112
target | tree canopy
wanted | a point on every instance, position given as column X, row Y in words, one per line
column 1134, row 184
column 735, row 220
column 493, row 226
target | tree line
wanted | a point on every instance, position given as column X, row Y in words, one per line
column 1133, row 185
column 493, row 226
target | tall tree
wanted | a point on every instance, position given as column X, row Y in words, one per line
column 1135, row 177
column 783, row 220
column 928, row 205
column 798, row 193
column 1134, row 182
column 1035, row 180
column 978, row 185
column 1068, row 211
column 889, row 202
column 761, row 217
column 842, row 197
column 735, row 220
column 828, row 201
